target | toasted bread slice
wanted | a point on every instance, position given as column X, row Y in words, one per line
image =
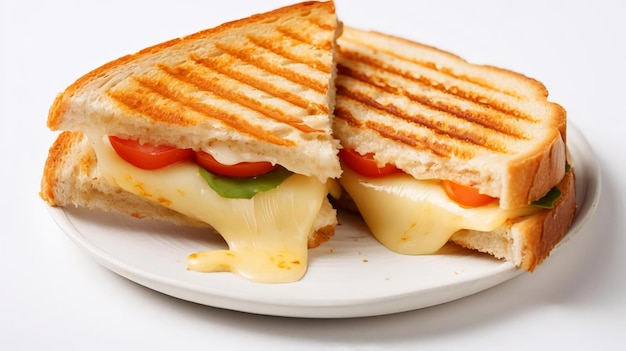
column 260, row 88
column 524, row 241
column 72, row 178
column 527, row 241
column 436, row 116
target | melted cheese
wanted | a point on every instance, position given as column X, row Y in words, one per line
column 411, row 216
column 266, row 235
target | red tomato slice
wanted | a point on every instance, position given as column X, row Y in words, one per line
column 238, row 170
column 365, row 165
column 147, row 156
column 466, row 195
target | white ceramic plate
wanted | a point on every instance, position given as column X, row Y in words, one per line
column 349, row 276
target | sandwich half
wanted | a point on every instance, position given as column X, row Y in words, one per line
column 228, row 127
column 436, row 149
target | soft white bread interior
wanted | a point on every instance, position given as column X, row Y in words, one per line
column 260, row 88
column 72, row 178
column 436, row 116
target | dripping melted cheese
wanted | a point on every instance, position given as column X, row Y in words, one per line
column 266, row 235
column 411, row 216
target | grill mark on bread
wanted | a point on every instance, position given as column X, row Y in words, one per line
column 141, row 101
column 251, row 57
column 187, row 74
column 251, row 54
column 301, row 36
column 471, row 96
column 488, row 118
column 158, row 100
column 224, row 66
column 413, row 140
column 280, row 47
column 437, row 127
column 404, row 137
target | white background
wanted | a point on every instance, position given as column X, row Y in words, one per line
column 53, row 296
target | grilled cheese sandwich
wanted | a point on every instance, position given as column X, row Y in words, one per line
column 441, row 120
column 256, row 92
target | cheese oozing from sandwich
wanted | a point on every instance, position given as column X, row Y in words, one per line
column 412, row 216
column 266, row 235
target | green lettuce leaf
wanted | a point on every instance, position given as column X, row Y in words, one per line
column 244, row 188
column 549, row 199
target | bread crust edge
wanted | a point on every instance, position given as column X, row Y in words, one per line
column 61, row 102
column 535, row 236
column 57, row 190
column 528, row 177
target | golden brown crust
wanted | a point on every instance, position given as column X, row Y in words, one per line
column 552, row 226
column 321, row 235
column 527, row 241
column 436, row 116
column 260, row 87
column 71, row 178
column 535, row 174
column 59, row 106
column 54, row 164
